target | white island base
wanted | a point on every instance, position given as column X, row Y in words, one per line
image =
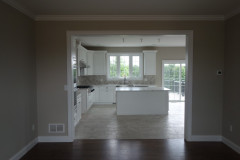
column 142, row 100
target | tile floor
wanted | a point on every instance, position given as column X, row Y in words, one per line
column 101, row 122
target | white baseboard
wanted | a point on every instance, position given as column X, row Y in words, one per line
column 24, row 150
column 210, row 138
column 54, row 139
column 30, row 145
column 230, row 144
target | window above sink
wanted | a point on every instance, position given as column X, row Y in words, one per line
column 124, row 65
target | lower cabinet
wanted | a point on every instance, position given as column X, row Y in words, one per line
column 87, row 99
column 105, row 94
column 90, row 99
column 77, row 110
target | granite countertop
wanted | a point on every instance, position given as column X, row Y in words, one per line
column 141, row 89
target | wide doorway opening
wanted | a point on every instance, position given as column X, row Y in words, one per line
column 99, row 116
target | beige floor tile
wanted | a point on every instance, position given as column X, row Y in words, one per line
column 101, row 122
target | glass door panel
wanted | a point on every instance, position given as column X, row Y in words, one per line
column 174, row 79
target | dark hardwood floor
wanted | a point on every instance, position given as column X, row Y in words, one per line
column 172, row 149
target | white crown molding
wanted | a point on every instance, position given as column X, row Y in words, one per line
column 128, row 17
column 233, row 13
column 19, row 7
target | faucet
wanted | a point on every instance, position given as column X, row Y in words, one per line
column 127, row 82
column 124, row 80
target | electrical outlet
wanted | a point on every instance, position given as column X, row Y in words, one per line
column 231, row 128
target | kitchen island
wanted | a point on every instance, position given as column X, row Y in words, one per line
column 142, row 100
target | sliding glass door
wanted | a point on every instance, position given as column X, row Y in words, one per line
column 173, row 78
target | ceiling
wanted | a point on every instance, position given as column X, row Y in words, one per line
column 134, row 41
column 128, row 7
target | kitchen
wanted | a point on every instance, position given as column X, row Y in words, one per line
column 103, row 85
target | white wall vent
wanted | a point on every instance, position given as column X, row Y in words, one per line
column 56, row 128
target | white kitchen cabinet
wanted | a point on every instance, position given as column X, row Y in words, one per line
column 99, row 63
column 84, row 93
column 90, row 62
column 96, row 95
column 105, row 94
column 77, row 110
column 149, row 62
column 87, row 99
column 82, row 54
column 90, row 100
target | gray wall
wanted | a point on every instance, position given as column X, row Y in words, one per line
column 208, row 57
column 18, row 109
column 231, row 109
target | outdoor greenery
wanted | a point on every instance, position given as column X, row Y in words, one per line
column 135, row 71
column 171, row 76
column 171, row 72
column 124, row 68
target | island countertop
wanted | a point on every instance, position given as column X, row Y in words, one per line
column 141, row 89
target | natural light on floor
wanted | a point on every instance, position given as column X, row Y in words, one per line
column 101, row 122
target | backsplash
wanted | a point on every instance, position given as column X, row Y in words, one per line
column 102, row 80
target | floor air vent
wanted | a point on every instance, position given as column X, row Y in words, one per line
column 56, row 128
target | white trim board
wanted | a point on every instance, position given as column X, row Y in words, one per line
column 55, row 139
column 24, row 150
column 129, row 17
column 205, row 138
column 199, row 138
column 230, row 144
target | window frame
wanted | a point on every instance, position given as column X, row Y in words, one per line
column 130, row 54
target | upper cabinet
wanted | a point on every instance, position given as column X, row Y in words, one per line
column 82, row 53
column 91, row 62
column 149, row 62
column 99, row 63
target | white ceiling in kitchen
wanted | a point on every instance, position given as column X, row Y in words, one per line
column 133, row 40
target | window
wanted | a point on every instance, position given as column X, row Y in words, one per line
column 124, row 65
